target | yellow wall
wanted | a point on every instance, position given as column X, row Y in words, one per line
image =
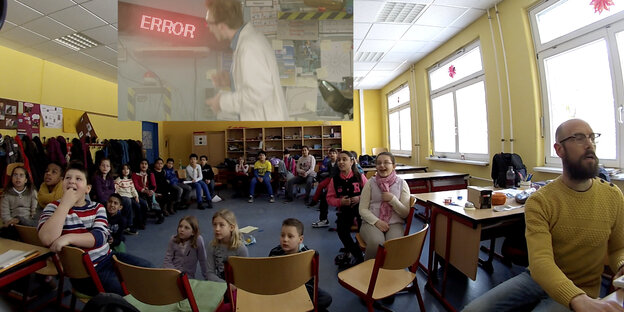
column 27, row 78
column 523, row 84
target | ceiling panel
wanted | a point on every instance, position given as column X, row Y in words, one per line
column 19, row 13
column 106, row 34
column 48, row 27
column 23, row 36
column 105, row 9
column 360, row 30
column 376, row 45
column 47, row 7
column 102, row 53
column 441, row 16
column 68, row 16
column 387, row 31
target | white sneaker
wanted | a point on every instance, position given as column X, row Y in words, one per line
column 216, row 199
column 250, row 199
column 320, row 224
column 272, row 199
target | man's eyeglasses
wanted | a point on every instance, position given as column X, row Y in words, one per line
column 581, row 138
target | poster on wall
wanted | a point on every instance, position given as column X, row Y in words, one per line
column 8, row 114
column 52, row 116
column 28, row 119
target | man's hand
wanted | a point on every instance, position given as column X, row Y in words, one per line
column 221, row 79
column 382, row 226
column 213, row 103
column 585, row 303
column 58, row 244
column 387, row 196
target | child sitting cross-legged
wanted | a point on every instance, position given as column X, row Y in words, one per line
column 186, row 249
column 74, row 220
column 291, row 241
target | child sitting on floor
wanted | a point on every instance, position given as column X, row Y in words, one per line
column 291, row 241
column 186, row 249
column 117, row 223
column 227, row 241
column 51, row 189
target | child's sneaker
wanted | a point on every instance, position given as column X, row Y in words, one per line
column 272, row 199
column 250, row 199
column 131, row 231
column 320, row 224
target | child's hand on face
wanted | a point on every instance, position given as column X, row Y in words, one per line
column 71, row 196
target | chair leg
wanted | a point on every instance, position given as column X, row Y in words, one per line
column 72, row 305
column 421, row 304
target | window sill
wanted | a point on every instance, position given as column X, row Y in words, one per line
column 460, row 161
column 402, row 155
column 555, row 170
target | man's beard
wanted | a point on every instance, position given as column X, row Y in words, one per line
column 577, row 170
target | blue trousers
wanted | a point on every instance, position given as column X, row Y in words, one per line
column 518, row 293
column 266, row 180
column 199, row 187
column 105, row 270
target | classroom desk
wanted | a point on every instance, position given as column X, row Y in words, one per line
column 435, row 181
column 399, row 169
column 26, row 267
column 456, row 234
column 616, row 296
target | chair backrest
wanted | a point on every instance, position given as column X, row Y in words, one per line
column 181, row 174
column 215, row 170
column 377, row 150
column 410, row 216
column 77, row 264
column 29, row 235
column 272, row 275
column 402, row 252
column 153, row 286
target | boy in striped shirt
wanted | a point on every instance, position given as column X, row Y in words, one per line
column 78, row 222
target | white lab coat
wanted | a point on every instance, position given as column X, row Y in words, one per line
column 258, row 94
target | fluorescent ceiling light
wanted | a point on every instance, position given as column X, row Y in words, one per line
column 77, row 41
column 399, row 12
column 368, row 57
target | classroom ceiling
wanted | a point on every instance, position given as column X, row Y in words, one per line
column 389, row 36
column 383, row 49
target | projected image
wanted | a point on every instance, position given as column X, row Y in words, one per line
column 231, row 60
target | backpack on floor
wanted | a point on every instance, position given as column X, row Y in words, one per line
column 500, row 163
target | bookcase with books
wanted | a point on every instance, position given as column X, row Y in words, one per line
column 246, row 142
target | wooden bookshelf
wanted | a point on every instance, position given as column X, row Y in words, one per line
column 246, row 142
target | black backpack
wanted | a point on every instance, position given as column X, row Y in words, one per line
column 500, row 163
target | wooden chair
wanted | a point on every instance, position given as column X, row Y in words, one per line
column 166, row 286
column 377, row 150
column 29, row 235
column 273, row 283
column 385, row 275
column 219, row 182
column 408, row 224
column 77, row 265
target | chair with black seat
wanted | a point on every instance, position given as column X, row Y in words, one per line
column 386, row 275
column 273, row 283
column 29, row 235
column 78, row 267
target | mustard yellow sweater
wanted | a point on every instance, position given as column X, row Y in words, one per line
column 44, row 197
column 568, row 235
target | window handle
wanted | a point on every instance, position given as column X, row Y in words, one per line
column 620, row 109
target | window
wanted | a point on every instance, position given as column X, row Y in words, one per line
column 458, row 106
column 400, row 121
column 579, row 55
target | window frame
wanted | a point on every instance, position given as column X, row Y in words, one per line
column 452, row 88
column 606, row 29
column 398, row 109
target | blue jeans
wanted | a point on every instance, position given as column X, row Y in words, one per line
column 517, row 293
column 105, row 270
column 199, row 187
column 266, row 180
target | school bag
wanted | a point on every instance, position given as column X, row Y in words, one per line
column 366, row 160
column 500, row 163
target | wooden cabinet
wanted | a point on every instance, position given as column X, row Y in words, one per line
column 246, row 142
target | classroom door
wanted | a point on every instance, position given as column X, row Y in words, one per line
column 150, row 141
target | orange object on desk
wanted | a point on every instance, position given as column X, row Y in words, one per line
column 498, row 199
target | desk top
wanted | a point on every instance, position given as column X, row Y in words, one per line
column 399, row 168
column 431, row 175
column 437, row 198
column 7, row 244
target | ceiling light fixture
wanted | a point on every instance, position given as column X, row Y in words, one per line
column 77, row 41
column 399, row 12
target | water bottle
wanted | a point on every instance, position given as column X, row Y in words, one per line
column 510, row 177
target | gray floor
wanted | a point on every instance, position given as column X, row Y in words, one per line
column 152, row 243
